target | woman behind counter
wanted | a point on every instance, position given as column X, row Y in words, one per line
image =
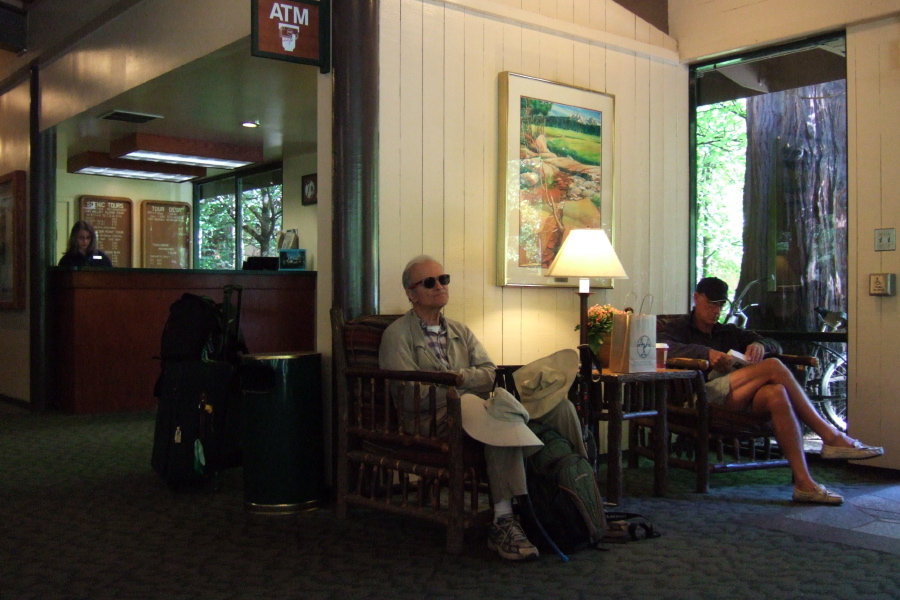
column 82, row 250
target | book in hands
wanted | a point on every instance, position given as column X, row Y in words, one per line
column 738, row 358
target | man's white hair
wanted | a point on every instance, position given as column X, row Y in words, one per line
column 422, row 258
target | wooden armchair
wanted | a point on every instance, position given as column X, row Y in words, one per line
column 709, row 439
column 437, row 477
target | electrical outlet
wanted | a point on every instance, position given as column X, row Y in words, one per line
column 885, row 239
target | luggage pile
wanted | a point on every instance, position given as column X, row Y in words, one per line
column 198, row 421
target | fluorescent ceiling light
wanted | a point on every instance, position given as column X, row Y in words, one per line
column 158, row 148
column 100, row 163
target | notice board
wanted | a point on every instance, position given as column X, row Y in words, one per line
column 165, row 235
column 111, row 218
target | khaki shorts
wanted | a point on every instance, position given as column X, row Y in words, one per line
column 718, row 389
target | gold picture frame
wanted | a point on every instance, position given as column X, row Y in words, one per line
column 12, row 240
column 556, row 174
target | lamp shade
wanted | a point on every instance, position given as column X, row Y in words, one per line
column 587, row 253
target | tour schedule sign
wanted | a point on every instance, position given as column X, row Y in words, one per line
column 111, row 218
column 292, row 31
column 165, row 235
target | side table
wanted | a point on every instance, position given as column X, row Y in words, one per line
column 628, row 396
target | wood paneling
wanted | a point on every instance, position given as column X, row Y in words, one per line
column 108, row 323
column 440, row 63
column 873, row 85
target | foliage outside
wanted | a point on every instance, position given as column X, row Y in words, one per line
column 262, row 220
column 721, row 163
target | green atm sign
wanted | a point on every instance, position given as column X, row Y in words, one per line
column 292, row 31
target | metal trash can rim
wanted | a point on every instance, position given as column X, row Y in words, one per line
column 275, row 355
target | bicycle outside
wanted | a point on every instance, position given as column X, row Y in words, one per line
column 826, row 383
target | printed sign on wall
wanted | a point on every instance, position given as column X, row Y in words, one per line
column 292, row 31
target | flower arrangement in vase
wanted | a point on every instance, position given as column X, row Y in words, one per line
column 599, row 325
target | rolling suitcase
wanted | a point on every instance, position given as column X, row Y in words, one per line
column 198, row 420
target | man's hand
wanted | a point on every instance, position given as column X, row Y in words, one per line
column 719, row 361
column 459, row 379
column 755, row 352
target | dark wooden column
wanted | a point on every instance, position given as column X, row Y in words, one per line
column 41, row 231
column 355, row 139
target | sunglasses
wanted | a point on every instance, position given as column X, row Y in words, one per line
column 429, row 282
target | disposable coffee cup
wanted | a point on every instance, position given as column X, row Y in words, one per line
column 662, row 353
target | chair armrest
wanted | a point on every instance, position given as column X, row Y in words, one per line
column 799, row 360
column 694, row 364
column 435, row 377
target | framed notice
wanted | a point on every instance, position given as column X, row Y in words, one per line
column 12, row 240
column 111, row 218
column 165, row 235
column 292, row 31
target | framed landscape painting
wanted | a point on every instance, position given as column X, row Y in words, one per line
column 556, row 174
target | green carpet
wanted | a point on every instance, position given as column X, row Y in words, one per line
column 83, row 516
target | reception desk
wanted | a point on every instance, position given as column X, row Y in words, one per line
column 106, row 325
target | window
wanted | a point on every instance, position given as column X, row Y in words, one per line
column 770, row 179
column 248, row 202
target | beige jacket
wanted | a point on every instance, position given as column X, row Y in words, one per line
column 404, row 348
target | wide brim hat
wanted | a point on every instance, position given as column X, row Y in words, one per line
column 501, row 420
column 546, row 381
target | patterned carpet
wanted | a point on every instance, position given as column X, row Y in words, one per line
column 869, row 518
column 82, row 516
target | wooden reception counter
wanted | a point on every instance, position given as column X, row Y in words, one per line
column 106, row 325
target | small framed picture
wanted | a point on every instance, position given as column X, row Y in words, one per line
column 291, row 259
column 310, row 189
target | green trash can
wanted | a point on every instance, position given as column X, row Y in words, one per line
column 282, row 446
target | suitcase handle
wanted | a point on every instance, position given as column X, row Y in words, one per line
column 228, row 290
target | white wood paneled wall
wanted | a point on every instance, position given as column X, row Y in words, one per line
column 438, row 130
column 706, row 28
column 873, row 86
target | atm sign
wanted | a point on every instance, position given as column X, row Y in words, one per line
column 288, row 30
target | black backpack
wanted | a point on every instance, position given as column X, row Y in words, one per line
column 563, row 494
column 200, row 329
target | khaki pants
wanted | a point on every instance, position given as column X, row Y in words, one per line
column 506, row 464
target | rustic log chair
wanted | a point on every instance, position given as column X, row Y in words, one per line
column 439, row 478
column 737, row 441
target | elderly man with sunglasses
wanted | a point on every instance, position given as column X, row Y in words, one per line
column 765, row 386
column 424, row 339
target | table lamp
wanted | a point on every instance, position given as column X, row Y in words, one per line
column 586, row 253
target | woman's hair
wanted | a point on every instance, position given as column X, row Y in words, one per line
column 422, row 258
column 73, row 237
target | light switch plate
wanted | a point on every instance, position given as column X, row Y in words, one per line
column 882, row 284
column 885, row 239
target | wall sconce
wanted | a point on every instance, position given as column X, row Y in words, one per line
column 586, row 253
column 100, row 163
column 158, row 148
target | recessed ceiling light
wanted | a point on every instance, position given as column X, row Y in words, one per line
column 250, row 124
column 100, row 163
column 158, row 148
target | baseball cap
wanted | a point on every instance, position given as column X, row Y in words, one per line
column 713, row 288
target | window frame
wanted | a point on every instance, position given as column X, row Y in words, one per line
column 238, row 175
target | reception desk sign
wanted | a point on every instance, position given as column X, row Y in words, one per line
column 292, row 31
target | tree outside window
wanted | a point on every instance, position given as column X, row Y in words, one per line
column 259, row 213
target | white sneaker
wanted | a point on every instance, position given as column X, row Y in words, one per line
column 509, row 541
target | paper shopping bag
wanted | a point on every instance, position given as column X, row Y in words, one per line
column 633, row 343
